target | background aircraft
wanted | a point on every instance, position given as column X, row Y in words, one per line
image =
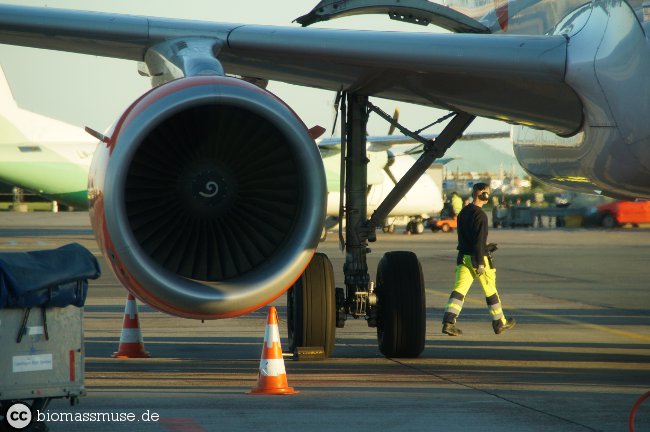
column 247, row 217
column 41, row 154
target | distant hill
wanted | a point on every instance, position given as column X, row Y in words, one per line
column 484, row 156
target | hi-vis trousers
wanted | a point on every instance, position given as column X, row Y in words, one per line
column 465, row 276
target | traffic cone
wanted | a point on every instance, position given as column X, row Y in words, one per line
column 272, row 377
column 131, row 343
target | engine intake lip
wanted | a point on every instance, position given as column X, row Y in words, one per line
column 210, row 189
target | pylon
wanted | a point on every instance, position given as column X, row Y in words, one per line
column 131, row 343
column 272, row 377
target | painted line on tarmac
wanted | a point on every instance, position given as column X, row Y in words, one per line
column 597, row 327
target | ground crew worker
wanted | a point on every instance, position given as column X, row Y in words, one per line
column 473, row 263
column 456, row 203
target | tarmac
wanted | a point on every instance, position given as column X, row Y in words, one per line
column 577, row 360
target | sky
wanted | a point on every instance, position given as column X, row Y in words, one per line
column 93, row 91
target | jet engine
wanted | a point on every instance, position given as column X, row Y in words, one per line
column 207, row 197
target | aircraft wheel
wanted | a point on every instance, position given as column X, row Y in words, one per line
column 311, row 307
column 414, row 227
column 401, row 308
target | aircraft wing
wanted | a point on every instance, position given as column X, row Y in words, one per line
column 519, row 79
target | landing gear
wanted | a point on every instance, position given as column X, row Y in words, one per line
column 397, row 306
column 401, row 308
column 311, row 307
column 415, row 226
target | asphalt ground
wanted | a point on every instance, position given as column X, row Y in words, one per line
column 577, row 360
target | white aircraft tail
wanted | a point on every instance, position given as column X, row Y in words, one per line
column 20, row 125
column 7, row 101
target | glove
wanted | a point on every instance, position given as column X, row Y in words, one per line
column 480, row 270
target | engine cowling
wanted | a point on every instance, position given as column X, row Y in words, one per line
column 208, row 198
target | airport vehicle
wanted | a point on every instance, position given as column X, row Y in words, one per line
column 201, row 228
column 619, row 213
column 443, row 223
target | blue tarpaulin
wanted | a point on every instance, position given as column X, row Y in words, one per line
column 48, row 278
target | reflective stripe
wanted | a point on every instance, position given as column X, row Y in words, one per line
column 131, row 335
column 496, row 311
column 271, row 335
column 131, row 309
column 455, row 304
column 272, row 367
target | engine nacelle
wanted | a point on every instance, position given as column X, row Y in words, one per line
column 209, row 198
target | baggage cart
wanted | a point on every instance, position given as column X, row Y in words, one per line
column 42, row 294
column 42, row 355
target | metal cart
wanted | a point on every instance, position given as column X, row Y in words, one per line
column 41, row 327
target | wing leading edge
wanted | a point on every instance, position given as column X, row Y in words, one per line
column 520, row 79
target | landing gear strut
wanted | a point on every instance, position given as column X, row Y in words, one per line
column 397, row 305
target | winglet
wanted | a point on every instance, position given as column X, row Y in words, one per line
column 7, row 101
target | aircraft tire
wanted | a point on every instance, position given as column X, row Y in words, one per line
column 415, row 227
column 311, row 307
column 401, row 306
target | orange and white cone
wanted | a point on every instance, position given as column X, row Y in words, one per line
column 131, row 343
column 272, row 377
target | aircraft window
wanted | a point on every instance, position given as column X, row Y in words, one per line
column 29, row 149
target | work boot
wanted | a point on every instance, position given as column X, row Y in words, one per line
column 499, row 327
column 451, row 329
